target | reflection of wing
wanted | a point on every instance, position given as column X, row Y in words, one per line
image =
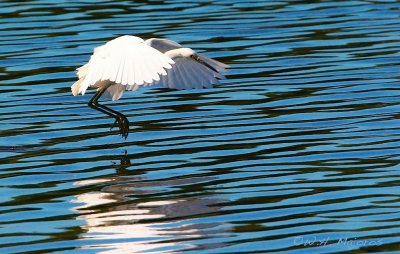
column 121, row 224
column 126, row 60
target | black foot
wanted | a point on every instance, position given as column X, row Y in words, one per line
column 120, row 119
column 123, row 124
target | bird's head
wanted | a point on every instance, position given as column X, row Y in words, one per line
column 180, row 52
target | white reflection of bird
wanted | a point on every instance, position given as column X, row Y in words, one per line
column 128, row 62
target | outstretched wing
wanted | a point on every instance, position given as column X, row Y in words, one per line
column 126, row 60
column 217, row 65
column 162, row 45
column 187, row 73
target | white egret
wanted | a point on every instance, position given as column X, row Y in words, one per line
column 128, row 62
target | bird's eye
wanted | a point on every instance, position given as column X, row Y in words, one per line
column 195, row 57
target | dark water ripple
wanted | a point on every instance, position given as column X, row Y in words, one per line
column 297, row 152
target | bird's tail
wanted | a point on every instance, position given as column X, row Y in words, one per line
column 79, row 87
column 76, row 87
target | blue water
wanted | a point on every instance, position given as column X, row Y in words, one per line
column 298, row 151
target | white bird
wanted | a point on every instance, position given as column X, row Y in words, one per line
column 128, row 62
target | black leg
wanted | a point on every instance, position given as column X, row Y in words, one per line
column 120, row 119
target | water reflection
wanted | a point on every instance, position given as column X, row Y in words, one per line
column 124, row 217
column 302, row 143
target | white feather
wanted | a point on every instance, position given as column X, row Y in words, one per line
column 114, row 92
column 128, row 62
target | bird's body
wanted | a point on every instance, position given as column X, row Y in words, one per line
column 128, row 62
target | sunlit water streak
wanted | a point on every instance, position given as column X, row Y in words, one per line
column 297, row 152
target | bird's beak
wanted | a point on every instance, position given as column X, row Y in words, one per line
column 197, row 58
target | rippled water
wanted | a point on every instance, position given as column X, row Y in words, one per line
column 297, row 152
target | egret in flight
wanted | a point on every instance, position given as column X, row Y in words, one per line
column 128, row 62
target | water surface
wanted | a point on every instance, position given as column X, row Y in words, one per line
column 297, row 152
